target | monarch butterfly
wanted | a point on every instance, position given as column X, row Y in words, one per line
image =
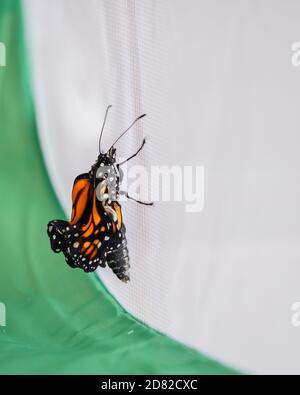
column 95, row 235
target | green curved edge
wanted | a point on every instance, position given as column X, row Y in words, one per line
column 59, row 321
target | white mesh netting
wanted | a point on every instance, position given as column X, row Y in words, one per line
column 217, row 83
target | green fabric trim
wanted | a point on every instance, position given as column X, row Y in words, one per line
column 58, row 320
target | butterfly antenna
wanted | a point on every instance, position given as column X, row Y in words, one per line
column 125, row 131
column 106, row 112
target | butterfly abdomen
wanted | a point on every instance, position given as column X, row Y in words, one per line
column 117, row 259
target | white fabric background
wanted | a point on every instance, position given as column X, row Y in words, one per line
column 217, row 83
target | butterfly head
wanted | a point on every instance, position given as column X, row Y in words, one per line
column 108, row 158
column 106, row 176
column 104, row 160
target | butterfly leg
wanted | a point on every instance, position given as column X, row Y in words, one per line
column 135, row 154
column 124, row 193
